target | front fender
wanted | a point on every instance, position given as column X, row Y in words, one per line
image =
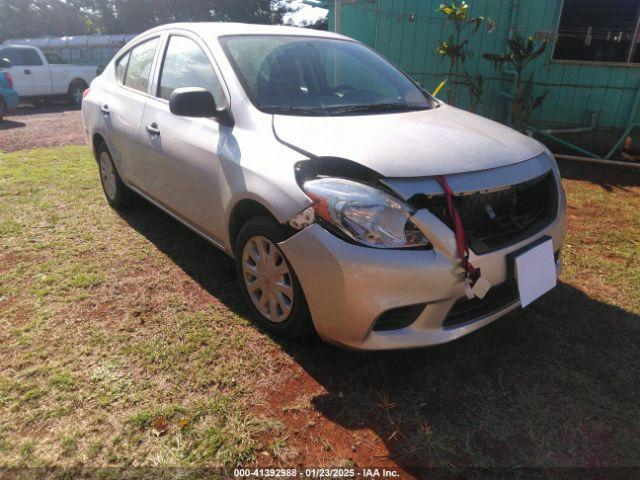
column 283, row 203
column 255, row 166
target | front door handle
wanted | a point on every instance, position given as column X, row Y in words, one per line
column 105, row 109
column 27, row 71
column 153, row 129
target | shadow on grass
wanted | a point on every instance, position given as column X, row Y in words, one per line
column 554, row 385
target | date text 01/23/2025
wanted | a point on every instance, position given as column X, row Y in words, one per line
column 333, row 473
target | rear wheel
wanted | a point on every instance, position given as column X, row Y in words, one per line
column 74, row 94
column 268, row 281
column 117, row 193
column 3, row 109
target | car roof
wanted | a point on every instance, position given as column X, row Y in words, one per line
column 218, row 29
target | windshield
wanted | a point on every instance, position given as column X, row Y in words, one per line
column 319, row 76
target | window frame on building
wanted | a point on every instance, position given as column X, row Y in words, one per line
column 633, row 48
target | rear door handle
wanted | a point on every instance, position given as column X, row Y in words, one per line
column 153, row 129
column 27, row 71
column 105, row 109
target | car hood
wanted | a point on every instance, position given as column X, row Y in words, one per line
column 440, row 141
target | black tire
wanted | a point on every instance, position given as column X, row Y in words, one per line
column 75, row 91
column 3, row 109
column 117, row 193
column 298, row 323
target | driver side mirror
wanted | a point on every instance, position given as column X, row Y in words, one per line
column 197, row 102
column 5, row 63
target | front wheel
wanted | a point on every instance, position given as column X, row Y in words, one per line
column 268, row 281
column 3, row 109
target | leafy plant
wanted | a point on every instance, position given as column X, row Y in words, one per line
column 439, row 88
column 521, row 53
column 455, row 49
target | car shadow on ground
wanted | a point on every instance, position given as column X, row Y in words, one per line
column 553, row 385
column 11, row 124
column 50, row 106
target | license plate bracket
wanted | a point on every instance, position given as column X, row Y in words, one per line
column 534, row 269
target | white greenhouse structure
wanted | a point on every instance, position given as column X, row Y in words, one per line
column 83, row 49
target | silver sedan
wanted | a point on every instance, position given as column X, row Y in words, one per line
column 353, row 202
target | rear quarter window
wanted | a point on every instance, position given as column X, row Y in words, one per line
column 121, row 67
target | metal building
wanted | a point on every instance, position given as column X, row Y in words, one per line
column 591, row 67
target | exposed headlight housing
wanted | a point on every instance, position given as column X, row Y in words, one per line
column 552, row 159
column 364, row 214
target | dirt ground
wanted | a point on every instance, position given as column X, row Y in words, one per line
column 42, row 125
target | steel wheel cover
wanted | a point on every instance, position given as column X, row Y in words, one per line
column 108, row 175
column 268, row 279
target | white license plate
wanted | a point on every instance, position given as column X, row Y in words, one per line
column 535, row 272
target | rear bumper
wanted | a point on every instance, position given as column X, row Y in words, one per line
column 349, row 287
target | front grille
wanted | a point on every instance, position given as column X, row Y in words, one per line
column 398, row 318
column 499, row 219
column 498, row 298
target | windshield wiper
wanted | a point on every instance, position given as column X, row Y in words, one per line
column 375, row 107
column 293, row 110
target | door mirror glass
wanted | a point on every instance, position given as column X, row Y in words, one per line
column 5, row 63
column 193, row 102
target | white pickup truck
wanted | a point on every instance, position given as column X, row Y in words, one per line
column 36, row 75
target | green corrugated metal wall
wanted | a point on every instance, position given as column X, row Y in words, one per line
column 408, row 31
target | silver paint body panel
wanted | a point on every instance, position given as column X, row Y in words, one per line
column 439, row 141
column 199, row 170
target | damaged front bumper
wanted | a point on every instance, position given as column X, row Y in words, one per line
column 355, row 294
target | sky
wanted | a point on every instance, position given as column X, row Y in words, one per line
column 306, row 13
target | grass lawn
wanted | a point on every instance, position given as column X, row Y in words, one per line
column 124, row 342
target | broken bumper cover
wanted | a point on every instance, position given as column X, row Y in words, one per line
column 349, row 287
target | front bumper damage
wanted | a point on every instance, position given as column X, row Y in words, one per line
column 349, row 287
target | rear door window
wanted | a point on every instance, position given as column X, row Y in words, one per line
column 140, row 63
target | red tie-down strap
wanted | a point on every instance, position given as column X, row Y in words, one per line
column 462, row 244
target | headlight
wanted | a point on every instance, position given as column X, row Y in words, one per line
column 364, row 214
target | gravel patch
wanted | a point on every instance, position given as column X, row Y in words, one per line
column 49, row 125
